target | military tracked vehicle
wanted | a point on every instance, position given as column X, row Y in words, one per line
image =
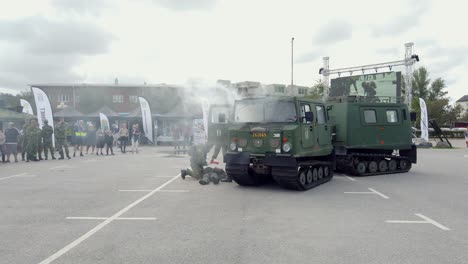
column 284, row 138
column 371, row 138
column 299, row 142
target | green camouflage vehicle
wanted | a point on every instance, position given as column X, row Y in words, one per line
column 299, row 142
column 286, row 138
column 371, row 138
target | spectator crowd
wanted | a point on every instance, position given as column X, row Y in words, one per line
column 31, row 143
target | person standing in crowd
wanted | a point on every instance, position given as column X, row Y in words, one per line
column 466, row 138
column 123, row 137
column 176, row 133
column 11, row 142
column 187, row 134
column 109, row 138
column 38, row 137
column 61, row 139
column 136, row 133
column 23, row 140
column 80, row 137
column 2, row 142
column 46, row 135
column 32, row 137
column 100, row 141
column 90, row 139
column 115, row 133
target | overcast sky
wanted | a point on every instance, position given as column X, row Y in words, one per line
column 173, row 41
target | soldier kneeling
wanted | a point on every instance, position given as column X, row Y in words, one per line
column 205, row 175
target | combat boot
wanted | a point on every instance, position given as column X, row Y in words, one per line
column 61, row 157
column 183, row 173
column 68, row 157
column 53, row 157
column 40, row 157
column 205, row 179
column 46, row 158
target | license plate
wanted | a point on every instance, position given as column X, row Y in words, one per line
column 259, row 134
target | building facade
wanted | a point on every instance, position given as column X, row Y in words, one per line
column 463, row 103
column 120, row 98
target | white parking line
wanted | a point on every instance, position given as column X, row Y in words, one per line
column 152, row 190
column 135, row 190
column 91, row 232
column 427, row 220
column 433, row 222
column 17, row 176
column 379, row 193
column 105, row 218
column 61, row 167
column 350, row 178
column 372, row 191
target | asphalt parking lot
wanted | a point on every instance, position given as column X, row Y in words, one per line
column 136, row 209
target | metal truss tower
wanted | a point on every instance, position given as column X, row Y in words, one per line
column 408, row 62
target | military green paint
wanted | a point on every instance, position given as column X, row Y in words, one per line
column 353, row 132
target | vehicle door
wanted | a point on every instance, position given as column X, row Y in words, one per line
column 307, row 125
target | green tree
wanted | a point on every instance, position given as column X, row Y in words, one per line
column 435, row 95
column 420, row 83
column 317, row 90
column 437, row 89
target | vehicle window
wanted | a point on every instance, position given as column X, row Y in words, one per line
column 260, row 110
column 370, row 116
column 320, row 114
column 392, row 116
column 215, row 111
column 304, row 109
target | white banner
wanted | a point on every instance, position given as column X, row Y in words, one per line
column 424, row 122
column 43, row 109
column 104, row 122
column 147, row 118
column 27, row 108
column 205, row 109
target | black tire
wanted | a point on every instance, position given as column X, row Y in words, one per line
column 383, row 165
column 392, row 165
column 320, row 172
column 361, row 168
column 373, row 167
column 404, row 165
column 315, row 174
column 310, row 178
column 302, row 177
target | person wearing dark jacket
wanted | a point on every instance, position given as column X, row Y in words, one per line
column 109, row 139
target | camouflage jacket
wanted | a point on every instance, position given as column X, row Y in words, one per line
column 61, row 132
column 46, row 133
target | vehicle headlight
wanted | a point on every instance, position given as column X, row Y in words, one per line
column 233, row 146
column 287, row 147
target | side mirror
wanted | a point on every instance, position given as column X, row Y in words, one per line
column 222, row 118
column 309, row 117
column 413, row 116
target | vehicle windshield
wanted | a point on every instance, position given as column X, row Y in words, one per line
column 260, row 111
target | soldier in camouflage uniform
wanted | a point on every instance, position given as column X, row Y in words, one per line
column 46, row 134
column 22, row 140
column 197, row 162
column 61, row 139
column 32, row 138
